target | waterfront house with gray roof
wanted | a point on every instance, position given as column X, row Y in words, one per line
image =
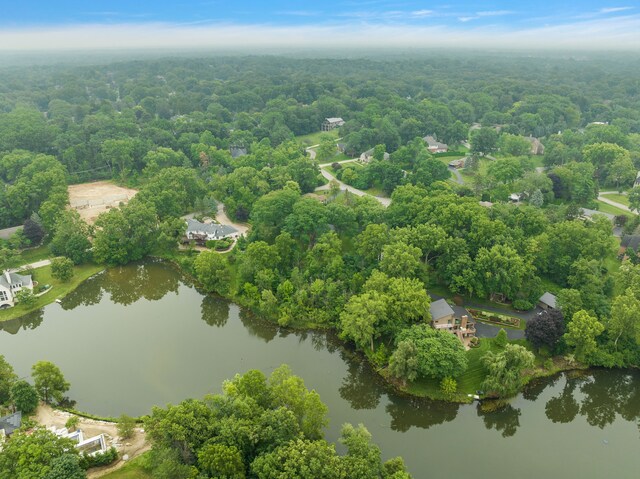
column 203, row 232
column 10, row 284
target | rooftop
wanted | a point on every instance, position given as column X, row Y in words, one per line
column 440, row 309
column 194, row 226
column 11, row 423
column 7, row 279
column 549, row 299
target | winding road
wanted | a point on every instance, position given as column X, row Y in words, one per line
column 344, row 187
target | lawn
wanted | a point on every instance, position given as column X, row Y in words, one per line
column 468, row 383
column 618, row 198
column 58, row 290
column 32, row 255
column 605, row 208
column 448, row 159
column 133, row 470
column 314, row 138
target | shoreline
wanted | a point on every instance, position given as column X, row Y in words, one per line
column 58, row 291
column 431, row 393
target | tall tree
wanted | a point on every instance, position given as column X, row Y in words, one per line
column 49, row 381
column 504, row 369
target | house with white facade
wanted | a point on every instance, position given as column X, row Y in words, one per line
column 203, row 232
column 10, row 284
column 330, row 123
column 434, row 146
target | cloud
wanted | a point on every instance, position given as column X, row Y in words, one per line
column 301, row 13
column 611, row 33
column 485, row 14
column 422, row 13
column 495, row 13
column 615, row 9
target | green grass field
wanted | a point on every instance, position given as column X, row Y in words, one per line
column 58, row 290
column 314, row 138
column 468, row 383
column 133, row 470
column 605, row 208
column 34, row 254
column 618, row 198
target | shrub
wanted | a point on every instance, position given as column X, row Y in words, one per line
column 522, row 305
column 336, row 166
column 25, row 296
column 501, row 339
column 448, row 386
column 100, row 459
column 72, row 423
column 126, row 425
column 62, row 269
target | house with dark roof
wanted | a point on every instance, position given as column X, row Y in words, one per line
column 434, row 146
column 203, row 232
column 629, row 242
column 10, row 284
column 547, row 301
column 444, row 317
column 330, row 123
column 10, row 423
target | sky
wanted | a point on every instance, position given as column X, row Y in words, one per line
column 117, row 24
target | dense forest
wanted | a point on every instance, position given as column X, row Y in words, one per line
column 169, row 127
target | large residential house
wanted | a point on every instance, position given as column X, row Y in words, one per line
column 330, row 123
column 367, row 156
column 203, row 232
column 537, row 148
column 443, row 317
column 10, row 284
column 434, row 146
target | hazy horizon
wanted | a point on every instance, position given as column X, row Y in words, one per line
column 499, row 25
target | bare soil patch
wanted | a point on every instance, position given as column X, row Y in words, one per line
column 47, row 416
column 91, row 199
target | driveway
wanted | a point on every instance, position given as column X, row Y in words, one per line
column 614, row 203
column 456, row 173
column 344, row 187
column 37, row 264
column 484, row 330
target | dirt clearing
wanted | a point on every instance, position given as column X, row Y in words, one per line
column 91, row 199
column 47, row 416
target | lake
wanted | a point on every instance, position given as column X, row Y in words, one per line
column 142, row 335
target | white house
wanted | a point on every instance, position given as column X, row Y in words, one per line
column 10, row 284
column 202, row 232
column 330, row 123
column 434, row 146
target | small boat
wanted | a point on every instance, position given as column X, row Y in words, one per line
column 58, row 301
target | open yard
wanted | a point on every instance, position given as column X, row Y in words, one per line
column 91, row 199
column 617, row 197
column 606, row 208
column 58, row 289
column 314, row 138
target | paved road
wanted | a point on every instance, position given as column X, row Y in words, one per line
column 344, row 187
column 484, row 330
column 37, row 264
column 459, row 179
column 614, row 203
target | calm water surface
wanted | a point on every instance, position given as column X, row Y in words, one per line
column 138, row 336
